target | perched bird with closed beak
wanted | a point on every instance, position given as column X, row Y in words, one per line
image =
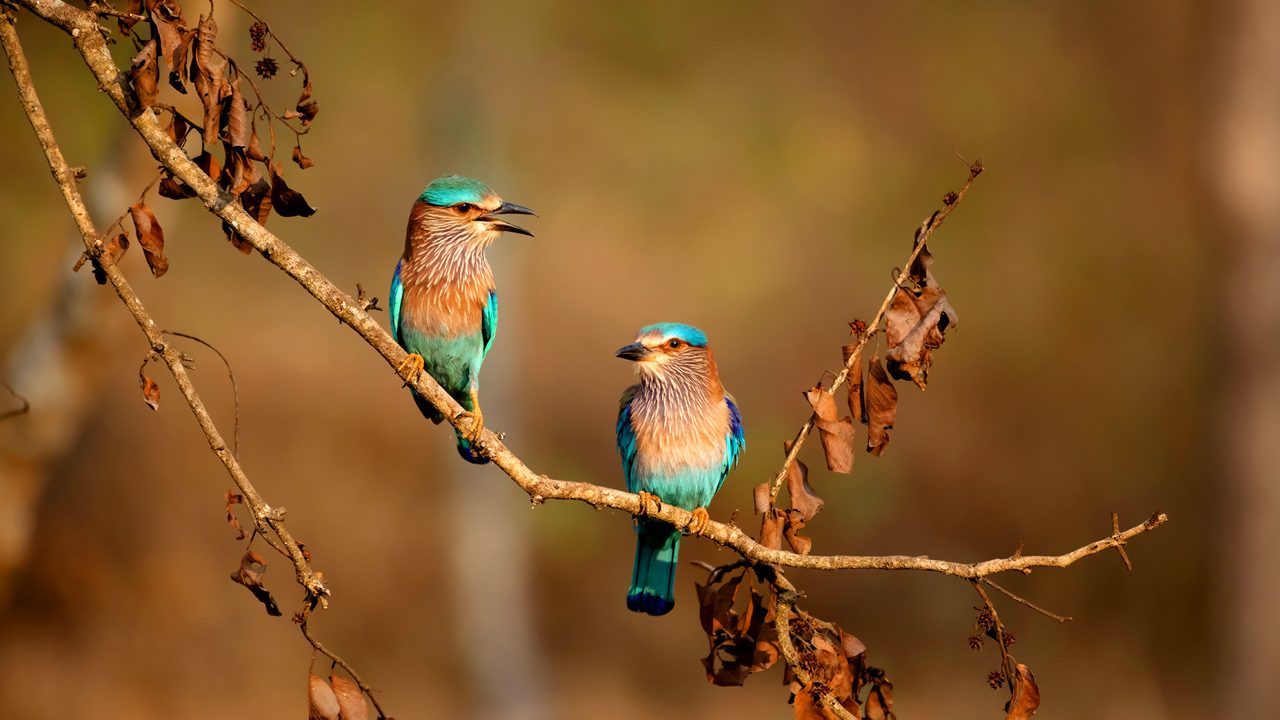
column 444, row 306
column 679, row 433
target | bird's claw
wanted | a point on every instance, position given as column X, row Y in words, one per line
column 473, row 433
column 411, row 367
column 698, row 523
column 647, row 499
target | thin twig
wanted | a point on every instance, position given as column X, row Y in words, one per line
column 292, row 58
column 364, row 687
column 931, row 225
column 1007, row 665
column 1018, row 598
column 235, row 387
column 264, row 516
column 785, row 596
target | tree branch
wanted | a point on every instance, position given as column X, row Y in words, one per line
column 930, row 225
column 83, row 29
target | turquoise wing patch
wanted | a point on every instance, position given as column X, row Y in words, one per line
column 397, row 294
column 489, row 321
column 627, row 437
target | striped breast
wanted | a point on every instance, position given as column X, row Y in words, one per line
column 446, row 282
column 681, row 450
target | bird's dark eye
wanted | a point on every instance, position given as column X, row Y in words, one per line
column 463, row 207
column 674, row 344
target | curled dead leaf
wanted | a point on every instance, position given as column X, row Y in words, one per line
column 287, row 201
column 351, row 702
column 1026, row 695
column 113, row 250
column 206, row 73
column 803, row 499
column 144, row 75
column 234, row 499
column 915, row 327
column 882, row 406
column 791, row 532
column 252, row 567
column 856, row 408
column 771, row 529
column 237, row 116
column 761, row 496
column 303, row 161
column 150, row 237
column 150, row 390
column 322, row 702
column 836, row 432
column 306, row 108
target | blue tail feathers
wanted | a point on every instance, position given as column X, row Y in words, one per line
column 467, row 452
column 654, row 572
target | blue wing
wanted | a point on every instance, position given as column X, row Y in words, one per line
column 397, row 295
column 627, row 437
column 736, row 440
column 489, row 321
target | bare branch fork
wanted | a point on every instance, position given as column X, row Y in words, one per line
column 83, row 27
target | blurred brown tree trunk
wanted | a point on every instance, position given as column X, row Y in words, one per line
column 1247, row 160
column 57, row 365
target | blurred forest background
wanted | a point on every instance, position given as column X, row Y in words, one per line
column 753, row 168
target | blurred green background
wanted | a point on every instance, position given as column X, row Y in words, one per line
column 756, row 169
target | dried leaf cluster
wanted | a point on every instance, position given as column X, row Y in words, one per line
column 741, row 625
column 193, row 61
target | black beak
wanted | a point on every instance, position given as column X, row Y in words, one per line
column 508, row 208
column 634, row 351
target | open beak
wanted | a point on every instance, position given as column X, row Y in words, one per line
column 508, row 208
column 634, row 351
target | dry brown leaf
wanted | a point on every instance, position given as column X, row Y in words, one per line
column 852, row 646
column 306, row 109
column 256, row 200
column 322, row 703
column 919, row 321
column 113, row 250
column 150, row 237
column 1026, row 695
column 252, row 566
column 287, row 201
column 144, row 75
column 206, row 72
column 876, row 709
column 767, row 654
column 919, row 272
column 856, row 408
column 351, row 702
column 790, row 532
column 771, row 529
column 303, row 161
column 232, row 500
column 179, row 65
column 150, row 391
column 237, row 117
column 134, row 8
column 882, row 406
column 761, row 495
column 836, row 432
column 177, row 129
column 809, row 705
column 803, row 499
